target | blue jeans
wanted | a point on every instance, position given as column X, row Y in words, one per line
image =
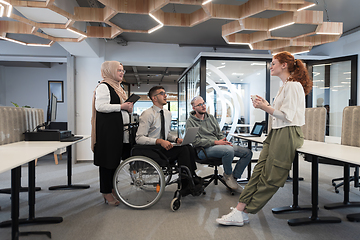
column 227, row 153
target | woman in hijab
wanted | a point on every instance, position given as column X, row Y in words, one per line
column 110, row 111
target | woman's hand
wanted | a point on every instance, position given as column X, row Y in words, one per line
column 128, row 106
column 260, row 102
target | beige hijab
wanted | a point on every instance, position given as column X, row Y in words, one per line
column 109, row 74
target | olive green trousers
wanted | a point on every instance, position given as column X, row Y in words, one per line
column 273, row 167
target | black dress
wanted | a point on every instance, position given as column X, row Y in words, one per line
column 109, row 136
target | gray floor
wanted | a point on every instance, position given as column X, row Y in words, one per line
column 87, row 217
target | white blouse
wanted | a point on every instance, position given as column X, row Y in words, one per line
column 102, row 104
column 289, row 105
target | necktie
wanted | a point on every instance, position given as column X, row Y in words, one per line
column 162, row 131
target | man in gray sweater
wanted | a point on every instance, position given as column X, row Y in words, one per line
column 215, row 144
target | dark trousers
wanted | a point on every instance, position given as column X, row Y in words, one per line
column 106, row 179
column 185, row 156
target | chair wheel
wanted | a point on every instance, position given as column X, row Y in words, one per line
column 175, row 204
column 337, row 191
column 204, row 193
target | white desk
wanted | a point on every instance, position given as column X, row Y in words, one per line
column 58, row 145
column 345, row 154
column 11, row 158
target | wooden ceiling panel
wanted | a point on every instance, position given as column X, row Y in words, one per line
column 119, row 15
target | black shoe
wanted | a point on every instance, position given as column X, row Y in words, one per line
column 198, row 180
column 198, row 189
column 185, row 188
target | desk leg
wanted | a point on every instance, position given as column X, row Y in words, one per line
column 22, row 189
column 15, row 186
column 346, row 202
column 355, row 217
column 314, row 200
column 32, row 219
column 69, row 173
column 295, row 206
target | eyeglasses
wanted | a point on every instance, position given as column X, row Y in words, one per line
column 161, row 93
column 201, row 104
column 123, row 71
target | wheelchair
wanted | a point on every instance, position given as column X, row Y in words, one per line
column 140, row 180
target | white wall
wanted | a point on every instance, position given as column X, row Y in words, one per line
column 29, row 86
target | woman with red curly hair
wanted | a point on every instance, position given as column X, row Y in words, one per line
column 279, row 148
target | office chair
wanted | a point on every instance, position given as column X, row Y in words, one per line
column 214, row 163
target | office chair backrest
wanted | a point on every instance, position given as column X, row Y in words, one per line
column 14, row 121
column 351, row 126
column 315, row 123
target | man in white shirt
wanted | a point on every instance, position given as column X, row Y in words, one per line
column 151, row 132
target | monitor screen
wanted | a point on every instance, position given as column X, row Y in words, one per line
column 52, row 107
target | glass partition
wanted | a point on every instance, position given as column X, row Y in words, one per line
column 182, row 107
column 332, row 90
column 193, row 89
column 229, row 85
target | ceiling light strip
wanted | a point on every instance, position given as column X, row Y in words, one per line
column 71, row 30
column 285, row 25
column 9, row 11
column 158, row 26
column 40, row 45
column 1, row 10
column 155, row 19
column 300, row 52
column 206, row 2
column 155, row 28
column 328, row 33
column 6, row 3
column 306, row 7
column 249, row 44
column 12, row 40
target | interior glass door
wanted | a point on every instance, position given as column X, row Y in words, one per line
column 332, row 90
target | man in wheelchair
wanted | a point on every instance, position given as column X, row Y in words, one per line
column 154, row 129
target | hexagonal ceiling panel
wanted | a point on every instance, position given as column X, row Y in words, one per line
column 239, row 23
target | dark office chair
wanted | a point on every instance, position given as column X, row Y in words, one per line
column 214, row 163
column 354, row 178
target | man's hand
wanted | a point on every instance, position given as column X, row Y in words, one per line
column 179, row 140
column 165, row 144
column 222, row 142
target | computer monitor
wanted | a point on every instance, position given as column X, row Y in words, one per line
column 51, row 111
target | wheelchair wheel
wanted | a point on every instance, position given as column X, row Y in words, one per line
column 175, row 204
column 139, row 182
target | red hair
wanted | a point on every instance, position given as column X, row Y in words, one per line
column 297, row 70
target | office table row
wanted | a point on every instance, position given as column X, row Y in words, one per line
column 345, row 154
column 12, row 156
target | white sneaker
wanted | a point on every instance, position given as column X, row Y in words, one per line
column 244, row 215
column 235, row 218
column 230, row 181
